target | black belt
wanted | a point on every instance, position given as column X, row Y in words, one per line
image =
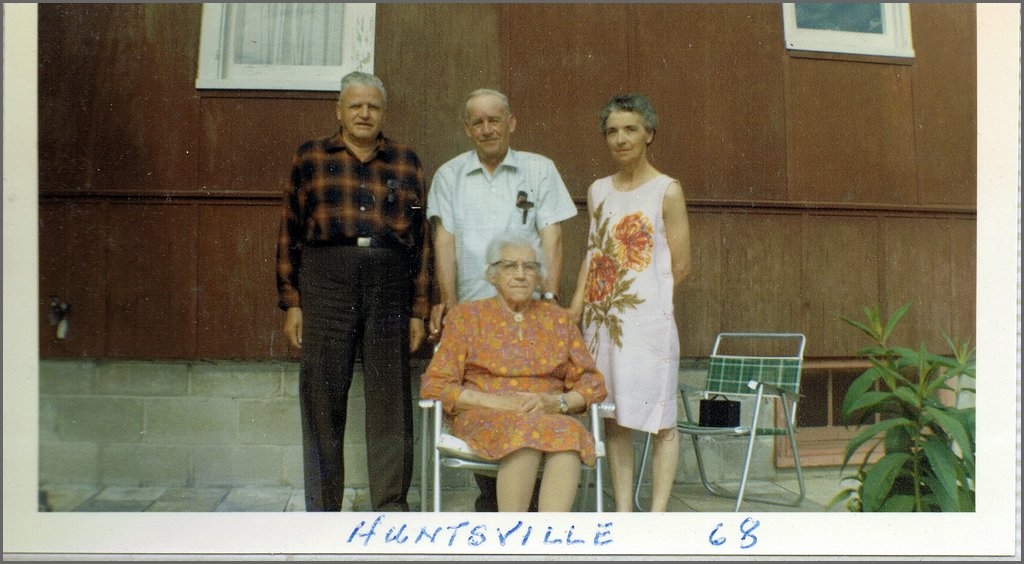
column 374, row 242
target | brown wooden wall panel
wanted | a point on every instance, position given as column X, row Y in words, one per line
column 841, row 273
column 945, row 101
column 151, row 281
column 743, row 123
column 430, row 57
column 574, row 249
column 66, row 106
column 918, row 269
column 720, row 101
column 562, row 64
column 699, row 299
column 248, row 142
column 139, row 132
column 851, row 134
column 236, row 283
column 964, row 261
column 72, row 268
column 761, row 273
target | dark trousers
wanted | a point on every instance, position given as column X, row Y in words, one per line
column 355, row 301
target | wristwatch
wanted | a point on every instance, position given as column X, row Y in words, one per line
column 563, row 406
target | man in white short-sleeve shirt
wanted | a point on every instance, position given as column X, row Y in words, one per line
column 489, row 190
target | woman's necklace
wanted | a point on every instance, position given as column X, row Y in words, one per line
column 517, row 317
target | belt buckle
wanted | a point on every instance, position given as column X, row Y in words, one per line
column 363, row 241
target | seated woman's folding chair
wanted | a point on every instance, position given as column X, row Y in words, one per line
column 441, row 448
column 747, row 365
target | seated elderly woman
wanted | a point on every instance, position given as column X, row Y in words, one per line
column 510, row 372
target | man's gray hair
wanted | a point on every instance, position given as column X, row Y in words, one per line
column 365, row 79
column 488, row 92
column 512, row 239
column 636, row 103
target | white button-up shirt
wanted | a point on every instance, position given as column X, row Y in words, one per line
column 474, row 206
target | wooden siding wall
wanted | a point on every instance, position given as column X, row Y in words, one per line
column 816, row 184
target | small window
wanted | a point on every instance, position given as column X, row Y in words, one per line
column 858, row 28
column 284, row 46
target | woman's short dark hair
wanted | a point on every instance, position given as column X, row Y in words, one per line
column 636, row 103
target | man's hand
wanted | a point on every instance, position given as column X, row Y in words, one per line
column 416, row 333
column 437, row 314
column 293, row 326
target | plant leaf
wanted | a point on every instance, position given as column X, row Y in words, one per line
column 870, row 432
column 955, row 429
column 895, row 319
column 898, row 503
column 879, row 478
column 908, row 397
column 944, row 466
column 858, row 387
column 868, row 400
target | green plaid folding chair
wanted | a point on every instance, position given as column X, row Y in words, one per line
column 747, row 365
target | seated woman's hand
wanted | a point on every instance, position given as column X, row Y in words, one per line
column 538, row 403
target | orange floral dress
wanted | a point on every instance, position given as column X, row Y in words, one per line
column 483, row 348
column 628, row 318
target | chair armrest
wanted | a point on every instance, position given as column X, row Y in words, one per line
column 606, row 409
column 771, row 388
column 684, row 387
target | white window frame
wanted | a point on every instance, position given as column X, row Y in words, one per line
column 894, row 42
column 217, row 72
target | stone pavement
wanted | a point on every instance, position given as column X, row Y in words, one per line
column 821, row 485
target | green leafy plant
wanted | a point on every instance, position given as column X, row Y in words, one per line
column 928, row 447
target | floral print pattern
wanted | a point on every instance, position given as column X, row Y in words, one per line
column 612, row 261
column 479, row 351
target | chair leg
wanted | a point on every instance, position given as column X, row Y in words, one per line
column 425, row 444
column 437, row 460
column 750, row 449
column 640, row 473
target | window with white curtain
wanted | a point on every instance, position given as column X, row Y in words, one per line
column 284, row 46
column 849, row 27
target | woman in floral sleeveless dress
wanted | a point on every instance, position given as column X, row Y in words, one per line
column 638, row 252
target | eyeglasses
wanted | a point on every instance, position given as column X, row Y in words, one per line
column 508, row 266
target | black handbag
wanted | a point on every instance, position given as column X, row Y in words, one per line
column 719, row 412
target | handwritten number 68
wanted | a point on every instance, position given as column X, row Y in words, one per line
column 747, row 539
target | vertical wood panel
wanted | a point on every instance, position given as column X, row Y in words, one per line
column 945, row 101
column 574, row 249
column 67, row 45
column 151, row 279
column 248, row 143
column 964, row 242
column 237, row 290
column 699, row 299
column 141, row 118
column 761, row 258
column 71, row 267
column 918, row 269
column 720, row 101
column 841, row 272
column 563, row 63
column 430, row 56
column 851, row 135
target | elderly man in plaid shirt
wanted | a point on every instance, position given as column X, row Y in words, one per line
column 353, row 280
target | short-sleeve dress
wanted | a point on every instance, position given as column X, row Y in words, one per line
column 628, row 318
column 483, row 348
